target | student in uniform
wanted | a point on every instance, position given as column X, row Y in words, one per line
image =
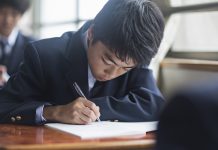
column 12, row 41
column 108, row 58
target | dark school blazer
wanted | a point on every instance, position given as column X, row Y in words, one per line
column 48, row 72
column 14, row 59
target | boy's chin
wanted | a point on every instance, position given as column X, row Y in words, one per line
column 100, row 78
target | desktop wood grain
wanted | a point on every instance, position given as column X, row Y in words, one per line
column 21, row 137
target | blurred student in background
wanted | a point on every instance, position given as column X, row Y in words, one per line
column 189, row 121
column 12, row 41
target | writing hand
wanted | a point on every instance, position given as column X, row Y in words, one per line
column 80, row 111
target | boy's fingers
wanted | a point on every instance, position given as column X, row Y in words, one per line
column 93, row 107
column 89, row 113
column 89, row 104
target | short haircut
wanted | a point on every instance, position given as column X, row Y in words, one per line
column 20, row 5
column 130, row 28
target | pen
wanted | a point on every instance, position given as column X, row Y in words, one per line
column 79, row 91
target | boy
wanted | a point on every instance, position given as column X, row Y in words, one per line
column 12, row 41
column 107, row 58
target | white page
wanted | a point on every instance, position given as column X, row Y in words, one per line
column 105, row 129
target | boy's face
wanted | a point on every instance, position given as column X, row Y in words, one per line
column 104, row 64
column 8, row 20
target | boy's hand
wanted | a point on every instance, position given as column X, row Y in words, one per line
column 3, row 71
column 80, row 111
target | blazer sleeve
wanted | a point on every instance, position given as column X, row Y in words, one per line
column 141, row 101
column 23, row 93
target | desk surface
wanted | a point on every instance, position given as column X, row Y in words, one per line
column 22, row 137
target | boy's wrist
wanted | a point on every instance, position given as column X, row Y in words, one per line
column 50, row 113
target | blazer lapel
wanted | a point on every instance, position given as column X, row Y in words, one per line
column 78, row 63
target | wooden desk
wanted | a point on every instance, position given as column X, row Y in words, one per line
column 22, row 137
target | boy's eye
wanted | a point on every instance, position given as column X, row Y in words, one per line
column 105, row 62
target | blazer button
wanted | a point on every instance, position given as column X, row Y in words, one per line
column 18, row 118
column 13, row 119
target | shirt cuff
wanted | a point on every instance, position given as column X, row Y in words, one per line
column 39, row 115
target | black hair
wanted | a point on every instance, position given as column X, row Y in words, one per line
column 20, row 5
column 130, row 28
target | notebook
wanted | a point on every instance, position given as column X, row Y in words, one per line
column 106, row 129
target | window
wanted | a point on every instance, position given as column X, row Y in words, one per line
column 54, row 17
column 198, row 30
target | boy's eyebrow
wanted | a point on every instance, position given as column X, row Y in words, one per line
column 109, row 58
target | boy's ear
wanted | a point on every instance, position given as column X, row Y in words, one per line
column 90, row 33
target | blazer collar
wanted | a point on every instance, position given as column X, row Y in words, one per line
column 78, row 63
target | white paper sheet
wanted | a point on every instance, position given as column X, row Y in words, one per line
column 106, row 129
